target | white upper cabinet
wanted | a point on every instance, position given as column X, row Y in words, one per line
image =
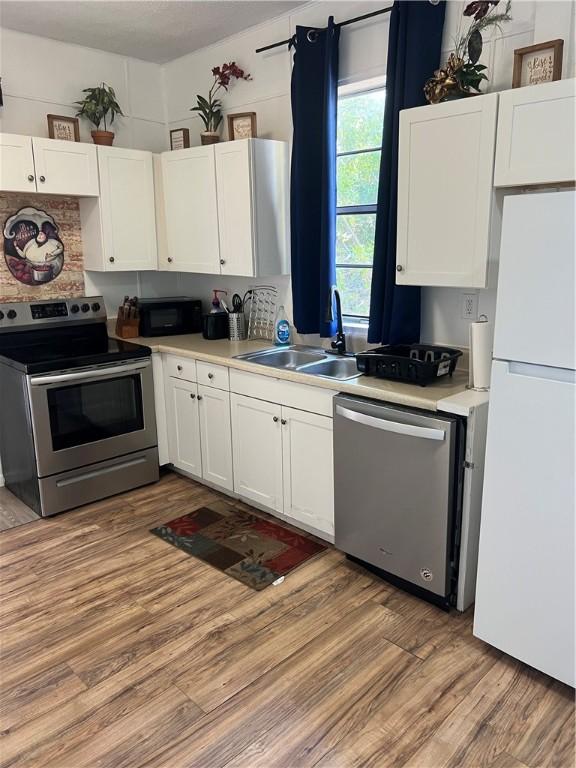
column 65, row 167
column 536, row 135
column 29, row 164
column 226, row 208
column 119, row 228
column 17, row 172
column 252, row 189
column 446, row 161
column 191, row 217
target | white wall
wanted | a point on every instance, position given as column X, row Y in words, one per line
column 41, row 76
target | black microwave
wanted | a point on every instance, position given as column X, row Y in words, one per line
column 165, row 317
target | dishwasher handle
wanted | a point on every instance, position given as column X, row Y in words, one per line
column 427, row 433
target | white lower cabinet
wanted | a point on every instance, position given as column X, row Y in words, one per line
column 183, row 419
column 283, row 461
column 257, row 450
column 308, row 470
column 215, row 436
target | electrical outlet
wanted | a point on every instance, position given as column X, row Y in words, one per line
column 469, row 306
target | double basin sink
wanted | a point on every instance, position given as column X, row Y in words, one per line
column 314, row 361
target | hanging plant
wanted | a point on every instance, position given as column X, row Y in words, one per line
column 210, row 109
column 99, row 103
column 463, row 75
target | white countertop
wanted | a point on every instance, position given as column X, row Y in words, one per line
column 449, row 394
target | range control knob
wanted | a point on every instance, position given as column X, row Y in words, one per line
column 1, row 315
column 95, row 307
column 11, row 314
column 74, row 308
column 85, row 307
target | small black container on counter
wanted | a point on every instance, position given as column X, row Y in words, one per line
column 414, row 363
column 215, row 325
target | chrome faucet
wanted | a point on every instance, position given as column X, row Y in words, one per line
column 339, row 343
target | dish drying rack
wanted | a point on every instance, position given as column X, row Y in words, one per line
column 262, row 312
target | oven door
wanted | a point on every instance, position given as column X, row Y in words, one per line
column 84, row 416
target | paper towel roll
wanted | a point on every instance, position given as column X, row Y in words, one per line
column 480, row 354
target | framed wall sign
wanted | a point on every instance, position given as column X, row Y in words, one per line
column 242, row 126
column 538, row 63
column 179, row 138
column 63, row 128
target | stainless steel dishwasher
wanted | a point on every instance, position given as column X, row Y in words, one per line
column 397, row 475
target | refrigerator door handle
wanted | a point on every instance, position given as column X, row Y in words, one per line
column 411, row 430
column 542, row 372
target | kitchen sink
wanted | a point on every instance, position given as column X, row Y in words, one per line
column 341, row 368
column 314, row 361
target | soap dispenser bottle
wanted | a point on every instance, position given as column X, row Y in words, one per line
column 281, row 328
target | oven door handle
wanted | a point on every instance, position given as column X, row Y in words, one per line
column 97, row 373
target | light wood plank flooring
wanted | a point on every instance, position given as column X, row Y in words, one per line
column 13, row 512
column 120, row 651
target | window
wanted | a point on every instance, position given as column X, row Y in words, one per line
column 360, row 118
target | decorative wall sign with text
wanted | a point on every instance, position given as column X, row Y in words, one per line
column 539, row 63
column 33, row 250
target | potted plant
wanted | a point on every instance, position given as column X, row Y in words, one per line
column 210, row 109
column 463, row 75
column 98, row 103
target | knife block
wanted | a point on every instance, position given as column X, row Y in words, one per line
column 127, row 327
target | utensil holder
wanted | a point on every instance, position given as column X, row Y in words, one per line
column 237, row 326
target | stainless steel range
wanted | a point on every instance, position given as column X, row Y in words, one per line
column 77, row 420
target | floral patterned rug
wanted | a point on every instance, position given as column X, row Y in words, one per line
column 251, row 549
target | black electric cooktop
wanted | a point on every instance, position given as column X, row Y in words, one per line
column 49, row 350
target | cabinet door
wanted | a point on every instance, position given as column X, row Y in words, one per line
column 17, row 172
column 308, row 469
column 536, row 127
column 189, row 178
column 216, row 436
column 446, row 160
column 183, row 425
column 234, row 185
column 257, row 451
column 127, row 208
column 65, row 167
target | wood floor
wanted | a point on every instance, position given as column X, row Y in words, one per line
column 13, row 512
column 121, row 651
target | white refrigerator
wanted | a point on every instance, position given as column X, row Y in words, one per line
column 525, row 588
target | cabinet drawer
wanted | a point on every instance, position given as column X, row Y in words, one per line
column 213, row 375
column 180, row 367
column 304, row 397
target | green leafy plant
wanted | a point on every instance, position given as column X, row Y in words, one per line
column 210, row 109
column 98, row 104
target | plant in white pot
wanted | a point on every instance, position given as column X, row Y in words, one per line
column 100, row 107
column 210, row 109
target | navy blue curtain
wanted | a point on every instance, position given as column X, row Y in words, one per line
column 413, row 54
column 313, row 176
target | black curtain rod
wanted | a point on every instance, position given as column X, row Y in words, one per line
column 341, row 24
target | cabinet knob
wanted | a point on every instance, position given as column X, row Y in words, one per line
column 42, row 179
column 111, row 259
column 30, row 177
column 222, row 261
column 399, row 268
column 178, row 367
column 193, row 397
column 274, row 418
column 210, row 375
column 199, row 397
column 284, row 422
column 169, row 259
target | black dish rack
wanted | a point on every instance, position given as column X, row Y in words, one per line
column 414, row 363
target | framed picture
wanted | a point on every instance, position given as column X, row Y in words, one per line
column 63, row 128
column 538, row 63
column 179, row 138
column 242, row 126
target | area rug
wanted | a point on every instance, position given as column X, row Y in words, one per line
column 248, row 548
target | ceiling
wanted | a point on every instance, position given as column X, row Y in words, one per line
column 153, row 30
